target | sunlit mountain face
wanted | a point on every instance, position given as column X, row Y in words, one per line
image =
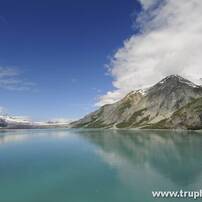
column 172, row 103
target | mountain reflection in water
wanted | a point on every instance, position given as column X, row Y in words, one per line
column 176, row 155
column 97, row 165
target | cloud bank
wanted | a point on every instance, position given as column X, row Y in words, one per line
column 169, row 42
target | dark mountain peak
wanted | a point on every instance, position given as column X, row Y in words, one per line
column 174, row 76
column 175, row 81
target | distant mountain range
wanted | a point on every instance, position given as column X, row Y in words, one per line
column 172, row 103
column 17, row 122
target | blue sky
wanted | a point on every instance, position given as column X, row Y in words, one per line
column 53, row 53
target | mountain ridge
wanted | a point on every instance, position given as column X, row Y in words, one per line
column 145, row 108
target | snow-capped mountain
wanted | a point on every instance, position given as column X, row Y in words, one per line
column 16, row 119
column 11, row 121
column 54, row 123
column 8, row 121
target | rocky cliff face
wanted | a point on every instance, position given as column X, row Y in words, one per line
column 188, row 117
column 146, row 108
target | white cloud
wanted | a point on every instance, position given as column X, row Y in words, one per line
column 170, row 43
column 10, row 79
column 147, row 3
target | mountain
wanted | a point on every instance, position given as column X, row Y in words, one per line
column 7, row 121
column 55, row 123
column 188, row 117
column 160, row 106
column 18, row 122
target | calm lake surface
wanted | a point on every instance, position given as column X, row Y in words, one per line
column 62, row 165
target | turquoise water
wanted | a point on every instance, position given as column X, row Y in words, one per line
column 97, row 165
